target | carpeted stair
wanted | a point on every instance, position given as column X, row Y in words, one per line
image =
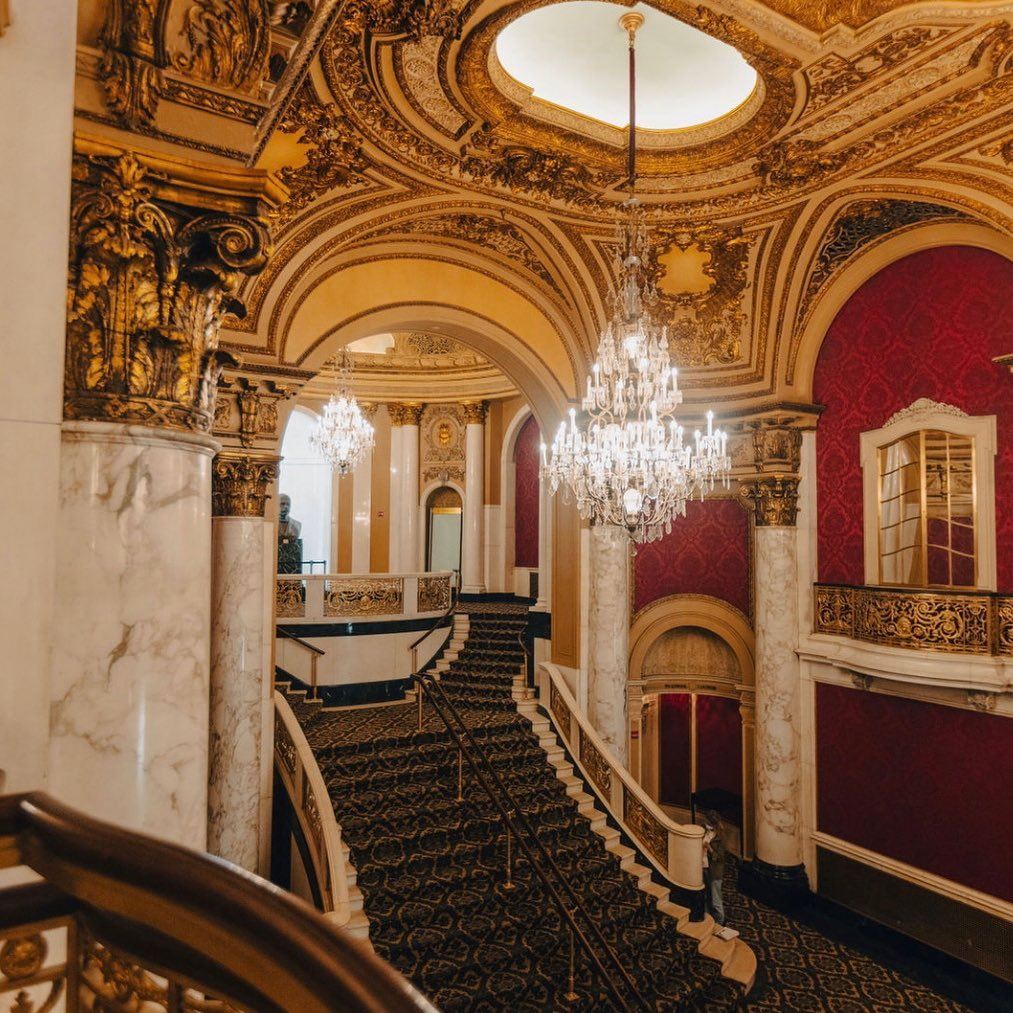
column 432, row 869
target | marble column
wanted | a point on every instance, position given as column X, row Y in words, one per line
column 240, row 668
column 777, row 874
column 130, row 673
column 362, row 493
column 396, row 412
column 609, row 635
column 472, row 541
column 410, row 550
column 130, row 682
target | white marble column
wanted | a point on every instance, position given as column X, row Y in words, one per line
column 609, row 636
column 240, row 666
column 409, row 519
column 472, row 541
column 778, row 716
column 396, row 413
column 362, row 495
column 130, row 676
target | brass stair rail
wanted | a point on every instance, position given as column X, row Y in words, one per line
column 469, row 748
column 315, row 652
column 413, row 647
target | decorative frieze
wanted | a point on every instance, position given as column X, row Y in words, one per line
column 150, row 282
column 240, row 482
column 922, row 620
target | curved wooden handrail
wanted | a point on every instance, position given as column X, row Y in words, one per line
column 299, row 640
column 187, row 913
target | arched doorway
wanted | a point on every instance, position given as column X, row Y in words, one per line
column 443, row 529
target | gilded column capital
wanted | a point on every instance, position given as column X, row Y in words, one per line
column 150, row 280
column 773, row 490
column 239, row 483
column 396, row 411
column 412, row 414
column 475, row 412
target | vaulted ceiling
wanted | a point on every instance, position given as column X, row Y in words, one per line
column 426, row 190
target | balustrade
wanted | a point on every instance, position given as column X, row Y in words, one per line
column 329, row 597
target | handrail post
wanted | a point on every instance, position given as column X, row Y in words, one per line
column 313, row 677
column 571, row 994
column 460, row 774
column 509, row 884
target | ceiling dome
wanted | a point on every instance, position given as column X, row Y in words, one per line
column 573, row 55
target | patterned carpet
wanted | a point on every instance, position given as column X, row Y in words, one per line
column 432, row 870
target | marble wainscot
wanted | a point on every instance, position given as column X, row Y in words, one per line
column 131, row 649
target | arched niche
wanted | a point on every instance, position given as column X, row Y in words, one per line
column 442, row 504
column 848, row 281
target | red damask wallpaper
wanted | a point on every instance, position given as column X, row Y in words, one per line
column 526, row 458
column 718, row 744
column 924, row 784
column 674, row 716
column 706, row 553
column 926, row 326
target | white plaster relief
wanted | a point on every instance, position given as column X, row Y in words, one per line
column 237, row 678
column 129, row 687
column 778, row 701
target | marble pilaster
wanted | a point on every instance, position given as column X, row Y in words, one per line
column 473, row 514
column 396, row 487
column 608, row 636
column 409, row 518
column 778, row 703
column 130, row 675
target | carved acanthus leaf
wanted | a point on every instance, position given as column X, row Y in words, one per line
column 225, row 42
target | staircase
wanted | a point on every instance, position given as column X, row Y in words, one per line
column 432, row 869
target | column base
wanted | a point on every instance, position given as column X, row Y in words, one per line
column 783, row 887
column 474, row 590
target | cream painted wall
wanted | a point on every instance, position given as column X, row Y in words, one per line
column 36, row 80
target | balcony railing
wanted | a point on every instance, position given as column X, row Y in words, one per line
column 957, row 622
column 122, row 921
column 333, row 597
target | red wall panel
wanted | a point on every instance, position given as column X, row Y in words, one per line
column 706, row 553
column 924, row 784
column 674, row 748
column 718, row 744
column 926, row 326
column 526, row 459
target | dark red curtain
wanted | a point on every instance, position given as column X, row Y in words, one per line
column 718, row 744
column 674, row 748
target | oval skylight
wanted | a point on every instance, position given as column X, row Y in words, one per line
column 574, row 55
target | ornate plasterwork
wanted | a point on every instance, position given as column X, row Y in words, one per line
column 239, row 483
column 442, row 444
column 247, row 409
column 129, row 70
column 924, row 407
column 222, row 42
column 149, row 284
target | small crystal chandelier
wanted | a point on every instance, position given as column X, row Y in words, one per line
column 625, row 460
column 342, row 436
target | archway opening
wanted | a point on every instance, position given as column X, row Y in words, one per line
column 443, row 529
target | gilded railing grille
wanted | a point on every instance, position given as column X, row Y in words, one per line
column 560, row 710
column 651, row 834
column 595, row 765
column 289, row 599
column 434, row 594
column 378, row 596
column 921, row 620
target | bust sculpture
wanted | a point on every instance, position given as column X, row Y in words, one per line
column 288, row 526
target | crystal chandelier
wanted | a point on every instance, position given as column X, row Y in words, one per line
column 342, row 436
column 625, row 460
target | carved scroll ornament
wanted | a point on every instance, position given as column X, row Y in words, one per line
column 148, row 288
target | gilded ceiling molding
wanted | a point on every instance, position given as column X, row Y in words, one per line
column 150, row 280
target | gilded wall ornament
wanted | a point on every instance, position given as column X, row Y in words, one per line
column 705, row 314
column 334, row 159
column 442, row 443
column 225, row 42
column 130, row 73
column 148, row 288
column 774, row 500
column 239, row 484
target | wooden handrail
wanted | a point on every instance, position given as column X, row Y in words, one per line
column 188, row 914
column 299, row 640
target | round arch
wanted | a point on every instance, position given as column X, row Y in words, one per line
column 703, row 611
column 870, row 263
